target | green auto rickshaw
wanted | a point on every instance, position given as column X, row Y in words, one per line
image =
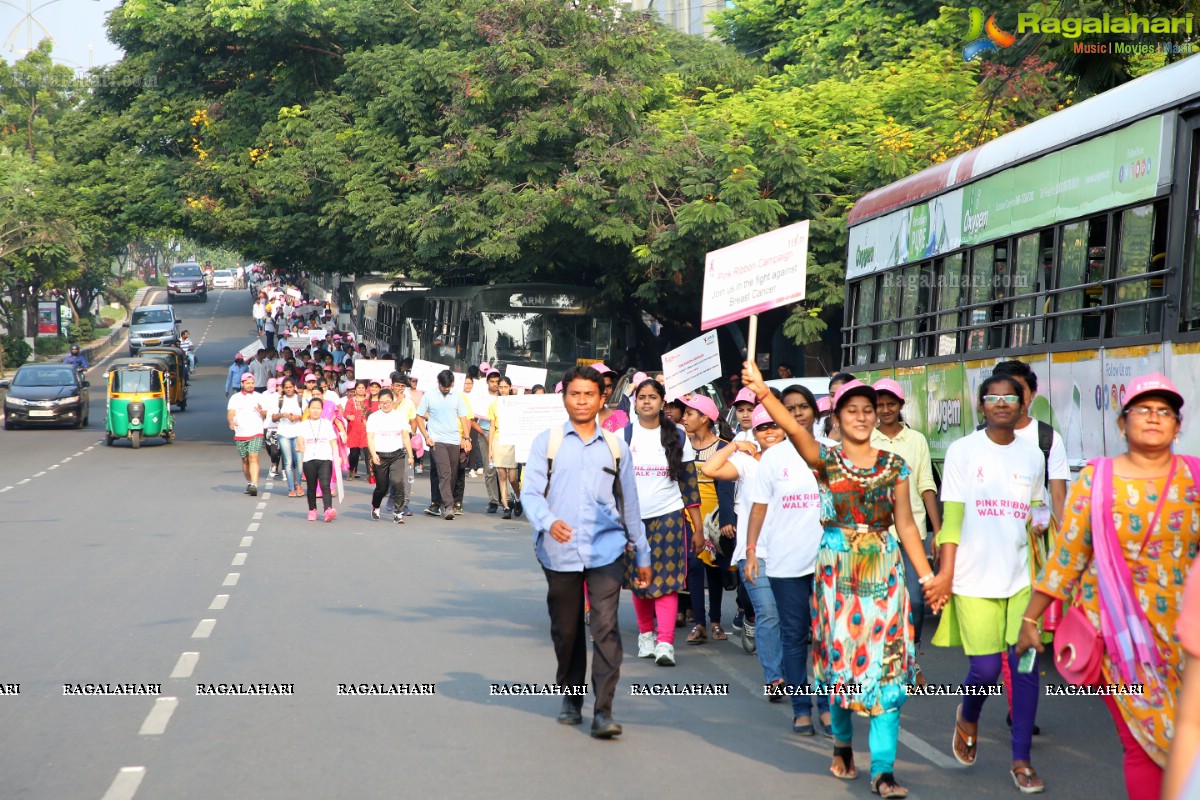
column 138, row 400
column 177, row 361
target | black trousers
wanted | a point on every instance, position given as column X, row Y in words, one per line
column 390, row 473
column 564, row 600
column 318, row 472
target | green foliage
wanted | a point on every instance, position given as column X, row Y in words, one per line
column 16, row 350
column 81, row 331
column 50, row 345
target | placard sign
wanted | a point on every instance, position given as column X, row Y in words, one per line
column 526, row 377
column 692, row 365
column 523, row 417
column 426, row 373
column 251, row 350
column 750, row 277
column 373, row 369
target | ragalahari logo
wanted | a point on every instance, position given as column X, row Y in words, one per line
column 984, row 36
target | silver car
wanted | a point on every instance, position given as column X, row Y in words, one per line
column 152, row 326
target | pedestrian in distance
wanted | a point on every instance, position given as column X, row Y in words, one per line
column 245, row 414
column 443, row 421
column 287, row 414
column 504, row 456
column 389, row 445
column 317, row 443
column 996, row 511
column 584, row 518
column 233, row 380
column 1122, row 556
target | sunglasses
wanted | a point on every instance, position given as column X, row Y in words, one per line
column 992, row 399
column 766, row 426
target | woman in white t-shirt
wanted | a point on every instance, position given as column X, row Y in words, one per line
column 288, row 411
column 993, row 494
column 270, row 400
column 317, row 440
column 668, row 493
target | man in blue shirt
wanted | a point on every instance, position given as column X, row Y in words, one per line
column 446, row 435
column 233, row 381
column 76, row 359
column 580, row 537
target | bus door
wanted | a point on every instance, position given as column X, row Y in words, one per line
column 1189, row 159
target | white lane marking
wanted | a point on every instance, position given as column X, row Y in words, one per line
column 928, row 751
column 261, row 506
column 93, row 447
column 246, row 541
column 39, row 474
column 126, row 784
column 185, row 666
column 252, row 527
column 24, row 481
column 266, row 496
column 239, row 560
column 5, row 489
column 68, row 458
column 231, row 579
column 77, row 455
column 257, row 515
column 52, row 466
column 204, row 629
column 156, row 721
column 219, row 602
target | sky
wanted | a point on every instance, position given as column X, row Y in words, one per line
column 74, row 25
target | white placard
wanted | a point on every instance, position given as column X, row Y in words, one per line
column 692, row 365
column 750, row 277
column 522, row 417
column 373, row 369
column 527, row 377
column 460, row 382
column 251, row 350
column 315, row 333
column 480, row 399
column 295, row 293
column 426, row 373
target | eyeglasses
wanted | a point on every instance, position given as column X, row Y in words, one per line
column 992, row 399
column 1146, row 411
column 766, row 426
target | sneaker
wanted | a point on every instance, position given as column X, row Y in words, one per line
column 458, row 509
column 748, row 643
column 420, row 469
column 433, row 511
column 737, row 620
column 646, row 644
column 312, row 515
column 507, row 513
column 664, row 654
column 449, row 514
column 271, row 474
column 330, row 514
column 375, row 514
column 252, row 490
column 398, row 518
column 247, row 491
column 517, row 510
column 493, row 508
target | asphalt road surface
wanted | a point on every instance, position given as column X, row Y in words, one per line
column 152, row 567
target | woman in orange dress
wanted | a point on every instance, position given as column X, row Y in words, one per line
column 1159, row 554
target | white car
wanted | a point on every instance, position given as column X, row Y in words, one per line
column 224, row 279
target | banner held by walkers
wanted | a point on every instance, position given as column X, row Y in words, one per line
column 523, row 417
column 756, row 275
column 694, row 364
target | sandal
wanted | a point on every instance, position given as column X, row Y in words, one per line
column 1024, row 778
column 697, row 636
column 884, row 784
column 846, row 754
column 969, row 745
column 718, row 633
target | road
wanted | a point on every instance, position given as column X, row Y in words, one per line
column 152, row 567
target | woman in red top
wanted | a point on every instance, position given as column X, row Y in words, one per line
column 355, row 413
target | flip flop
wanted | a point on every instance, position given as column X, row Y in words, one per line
column 893, row 790
column 969, row 743
column 697, row 636
column 718, row 633
column 1028, row 774
column 846, row 754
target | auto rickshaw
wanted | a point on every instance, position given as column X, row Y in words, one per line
column 177, row 360
column 138, row 400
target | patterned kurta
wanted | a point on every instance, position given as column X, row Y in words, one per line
column 669, row 538
column 1158, row 579
column 862, row 632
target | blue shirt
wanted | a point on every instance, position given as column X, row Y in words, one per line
column 443, row 412
column 582, row 497
column 233, row 381
column 79, row 361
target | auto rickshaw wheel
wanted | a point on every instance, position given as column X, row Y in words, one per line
column 108, row 439
column 183, row 405
column 135, row 439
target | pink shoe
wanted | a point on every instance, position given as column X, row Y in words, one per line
column 312, row 515
column 330, row 514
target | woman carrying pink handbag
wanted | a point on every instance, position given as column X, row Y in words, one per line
column 1123, row 556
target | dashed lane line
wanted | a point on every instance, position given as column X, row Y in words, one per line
column 246, row 541
column 231, row 579
column 156, row 721
column 186, row 665
column 252, row 527
column 126, row 784
column 204, row 629
column 219, row 602
column 239, row 560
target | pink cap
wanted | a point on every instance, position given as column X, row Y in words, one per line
column 601, row 368
column 485, row 367
column 1154, row 383
column 239, row 357
column 759, row 416
column 702, row 404
column 638, row 377
column 279, row 367
column 745, row 396
column 271, row 384
column 855, row 387
column 558, row 388
column 890, row 386
column 823, row 405
column 308, row 376
column 247, row 376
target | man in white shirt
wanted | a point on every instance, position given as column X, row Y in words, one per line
column 245, row 414
column 261, row 369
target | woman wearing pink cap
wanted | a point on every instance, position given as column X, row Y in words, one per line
column 1128, row 577
column 665, row 471
column 743, row 410
column 862, row 635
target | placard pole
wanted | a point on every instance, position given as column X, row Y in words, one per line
column 752, row 342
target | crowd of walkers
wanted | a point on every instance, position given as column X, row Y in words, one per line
column 820, row 518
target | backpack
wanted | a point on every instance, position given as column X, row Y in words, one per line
column 1045, row 442
column 614, row 449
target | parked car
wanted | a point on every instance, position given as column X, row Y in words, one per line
column 151, row 326
column 42, row 394
column 187, row 280
column 224, row 279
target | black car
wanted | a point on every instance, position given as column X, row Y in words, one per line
column 187, row 280
column 40, row 394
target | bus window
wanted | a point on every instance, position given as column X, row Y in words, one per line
column 914, row 302
column 1083, row 252
column 1023, row 284
column 864, row 313
column 950, row 280
column 889, row 309
column 1191, row 311
column 987, row 265
column 1141, row 249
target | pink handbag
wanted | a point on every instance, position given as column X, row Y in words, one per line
column 1078, row 648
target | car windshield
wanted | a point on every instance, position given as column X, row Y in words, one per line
column 136, row 380
column 157, row 315
column 222, row 273
column 44, row 377
column 185, row 272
